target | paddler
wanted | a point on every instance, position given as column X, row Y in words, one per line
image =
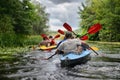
column 70, row 44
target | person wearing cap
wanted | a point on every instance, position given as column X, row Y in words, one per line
column 70, row 44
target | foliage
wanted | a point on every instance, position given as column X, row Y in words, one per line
column 33, row 40
column 8, row 54
column 18, row 19
column 40, row 25
column 106, row 12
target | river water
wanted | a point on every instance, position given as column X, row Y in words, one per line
column 105, row 66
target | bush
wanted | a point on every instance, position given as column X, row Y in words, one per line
column 33, row 40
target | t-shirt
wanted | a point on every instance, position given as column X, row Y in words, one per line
column 60, row 43
column 69, row 45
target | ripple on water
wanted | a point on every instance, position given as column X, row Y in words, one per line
column 97, row 70
column 105, row 67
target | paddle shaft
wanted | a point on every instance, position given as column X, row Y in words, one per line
column 84, row 35
column 93, row 50
column 74, row 33
column 51, row 56
column 89, row 46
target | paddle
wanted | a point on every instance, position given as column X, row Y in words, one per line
column 67, row 27
column 51, row 41
column 44, row 36
column 94, row 48
column 82, row 38
column 60, row 31
column 49, row 57
column 93, row 29
column 57, row 36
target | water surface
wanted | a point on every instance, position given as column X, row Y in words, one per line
column 105, row 66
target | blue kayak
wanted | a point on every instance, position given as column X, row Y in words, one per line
column 71, row 59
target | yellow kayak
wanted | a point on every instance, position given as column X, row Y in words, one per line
column 46, row 48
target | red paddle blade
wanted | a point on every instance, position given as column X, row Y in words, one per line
column 95, row 28
column 57, row 36
column 61, row 32
column 53, row 42
column 84, row 38
column 67, row 27
column 44, row 36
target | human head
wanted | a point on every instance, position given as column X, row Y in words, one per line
column 44, row 38
column 50, row 36
column 68, row 35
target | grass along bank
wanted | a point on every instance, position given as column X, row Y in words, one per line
column 9, row 53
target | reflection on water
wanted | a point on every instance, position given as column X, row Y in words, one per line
column 105, row 66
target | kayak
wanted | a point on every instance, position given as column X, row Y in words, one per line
column 72, row 59
column 46, row 48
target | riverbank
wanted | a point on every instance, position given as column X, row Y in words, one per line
column 11, row 53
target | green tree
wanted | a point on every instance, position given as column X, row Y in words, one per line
column 106, row 12
column 17, row 19
column 40, row 26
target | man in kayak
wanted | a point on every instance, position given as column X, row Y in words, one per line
column 47, row 41
column 70, row 45
column 44, row 42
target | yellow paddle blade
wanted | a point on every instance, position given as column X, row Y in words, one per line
column 94, row 48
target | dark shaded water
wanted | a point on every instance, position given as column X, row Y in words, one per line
column 105, row 66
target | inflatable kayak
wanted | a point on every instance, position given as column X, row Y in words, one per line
column 71, row 59
column 46, row 48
